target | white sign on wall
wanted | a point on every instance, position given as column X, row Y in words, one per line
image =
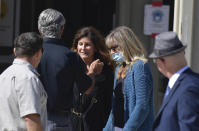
column 156, row 19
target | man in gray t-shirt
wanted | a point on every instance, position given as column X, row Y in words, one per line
column 22, row 96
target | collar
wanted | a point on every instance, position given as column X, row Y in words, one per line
column 174, row 77
column 53, row 41
column 19, row 61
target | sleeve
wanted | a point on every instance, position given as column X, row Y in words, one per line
column 109, row 125
column 143, row 88
column 188, row 109
column 28, row 96
column 83, row 80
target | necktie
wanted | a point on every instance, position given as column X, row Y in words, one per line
column 167, row 92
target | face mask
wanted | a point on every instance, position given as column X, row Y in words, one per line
column 118, row 57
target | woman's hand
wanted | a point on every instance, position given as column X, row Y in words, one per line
column 96, row 67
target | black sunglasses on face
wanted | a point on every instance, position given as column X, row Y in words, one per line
column 113, row 47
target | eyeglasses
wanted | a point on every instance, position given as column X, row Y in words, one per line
column 113, row 47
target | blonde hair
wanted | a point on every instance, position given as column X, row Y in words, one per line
column 129, row 45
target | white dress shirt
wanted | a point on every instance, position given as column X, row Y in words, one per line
column 174, row 77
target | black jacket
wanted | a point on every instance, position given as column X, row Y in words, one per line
column 95, row 113
column 60, row 68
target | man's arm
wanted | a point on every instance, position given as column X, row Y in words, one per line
column 33, row 122
column 188, row 105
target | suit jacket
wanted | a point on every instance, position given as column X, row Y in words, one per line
column 180, row 109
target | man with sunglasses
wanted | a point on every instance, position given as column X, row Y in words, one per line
column 179, row 110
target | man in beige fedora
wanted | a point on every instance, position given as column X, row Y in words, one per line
column 180, row 107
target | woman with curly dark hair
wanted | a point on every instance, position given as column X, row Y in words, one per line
column 91, row 109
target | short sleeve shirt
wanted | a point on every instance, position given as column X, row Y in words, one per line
column 21, row 94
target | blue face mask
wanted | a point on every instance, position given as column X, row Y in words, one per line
column 118, row 57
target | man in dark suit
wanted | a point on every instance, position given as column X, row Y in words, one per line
column 60, row 70
column 180, row 107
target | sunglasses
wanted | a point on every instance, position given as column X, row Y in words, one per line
column 113, row 47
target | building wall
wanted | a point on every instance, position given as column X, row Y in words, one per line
column 195, row 36
column 185, row 23
column 78, row 13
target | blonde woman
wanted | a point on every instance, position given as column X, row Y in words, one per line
column 132, row 108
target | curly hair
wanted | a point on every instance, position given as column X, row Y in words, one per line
column 50, row 22
column 98, row 41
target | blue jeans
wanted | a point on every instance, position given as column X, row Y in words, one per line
column 59, row 122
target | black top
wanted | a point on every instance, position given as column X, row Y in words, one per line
column 60, row 68
column 96, row 116
column 118, row 111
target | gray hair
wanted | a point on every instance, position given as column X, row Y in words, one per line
column 50, row 23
